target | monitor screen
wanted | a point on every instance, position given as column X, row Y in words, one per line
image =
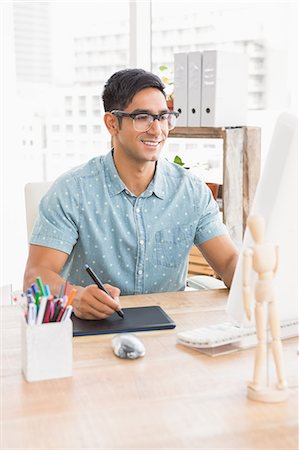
column 276, row 199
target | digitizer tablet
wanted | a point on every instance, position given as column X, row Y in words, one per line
column 143, row 318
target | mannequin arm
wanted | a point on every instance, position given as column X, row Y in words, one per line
column 247, row 266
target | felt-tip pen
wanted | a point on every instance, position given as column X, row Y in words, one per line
column 101, row 286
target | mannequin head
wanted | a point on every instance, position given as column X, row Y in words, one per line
column 256, row 225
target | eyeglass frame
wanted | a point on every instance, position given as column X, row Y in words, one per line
column 120, row 114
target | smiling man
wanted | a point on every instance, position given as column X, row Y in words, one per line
column 130, row 214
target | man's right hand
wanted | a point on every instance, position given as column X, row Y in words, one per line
column 89, row 302
column 93, row 303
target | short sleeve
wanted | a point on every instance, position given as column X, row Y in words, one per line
column 209, row 224
column 58, row 218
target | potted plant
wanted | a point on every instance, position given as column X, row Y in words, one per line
column 167, row 78
column 213, row 186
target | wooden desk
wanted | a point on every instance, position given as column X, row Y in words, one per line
column 174, row 397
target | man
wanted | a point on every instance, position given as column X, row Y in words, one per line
column 130, row 215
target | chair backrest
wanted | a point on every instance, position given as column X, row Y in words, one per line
column 33, row 194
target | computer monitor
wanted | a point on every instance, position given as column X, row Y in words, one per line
column 276, row 199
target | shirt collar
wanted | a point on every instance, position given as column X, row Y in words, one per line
column 158, row 183
column 115, row 185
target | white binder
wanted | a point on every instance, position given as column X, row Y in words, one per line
column 194, row 89
column 181, row 87
column 224, row 89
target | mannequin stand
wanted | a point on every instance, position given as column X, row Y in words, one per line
column 269, row 394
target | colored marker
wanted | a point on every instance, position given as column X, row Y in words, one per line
column 34, row 289
column 41, row 310
column 41, row 286
column 67, row 313
column 31, row 315
column 60, row 314
column 47, row 313
column 58, row 307
column 37, row 299
column 47, row 290
column 71, row 297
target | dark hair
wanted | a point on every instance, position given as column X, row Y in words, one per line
column 123, row 85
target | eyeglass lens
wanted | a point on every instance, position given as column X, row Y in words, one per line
column 143, row 122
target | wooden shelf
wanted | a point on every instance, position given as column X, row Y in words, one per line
column 198, row 265
column 241, row 171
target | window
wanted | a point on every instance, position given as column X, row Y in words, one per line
column 83, row 128
column 97, row 129
column 82, row 101
column 265, row 31
column 68, row 101
column 95, row 100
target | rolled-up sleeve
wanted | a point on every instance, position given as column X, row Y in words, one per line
column 210, row 224
column 57, row 222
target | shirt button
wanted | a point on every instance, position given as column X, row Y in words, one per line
column 140, row 272
column 138, row 210
column 141, row 242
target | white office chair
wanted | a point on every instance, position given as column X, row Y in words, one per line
column 33, row 194
column 35, row 191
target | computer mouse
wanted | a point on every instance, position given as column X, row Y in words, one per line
column 127, row 346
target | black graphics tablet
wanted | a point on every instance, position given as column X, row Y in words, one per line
column 143, row 318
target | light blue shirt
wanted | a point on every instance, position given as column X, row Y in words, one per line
column 139, row 244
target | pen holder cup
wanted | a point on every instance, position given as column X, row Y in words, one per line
column 47, row 350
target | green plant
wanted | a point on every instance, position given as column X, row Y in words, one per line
column 178, row 160
column 167, row 78
column 213, row 186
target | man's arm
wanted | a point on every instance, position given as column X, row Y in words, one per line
column 222, row 255
column 89, row 303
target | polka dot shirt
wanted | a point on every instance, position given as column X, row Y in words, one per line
column 139, row 244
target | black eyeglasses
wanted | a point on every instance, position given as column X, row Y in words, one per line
column 143, row 121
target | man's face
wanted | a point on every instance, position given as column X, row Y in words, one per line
column 143, row 146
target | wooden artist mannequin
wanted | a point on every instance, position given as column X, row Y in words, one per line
column 262, row 257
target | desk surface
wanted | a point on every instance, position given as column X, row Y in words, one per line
column 172, row 398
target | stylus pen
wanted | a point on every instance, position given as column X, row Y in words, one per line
column 101, row 286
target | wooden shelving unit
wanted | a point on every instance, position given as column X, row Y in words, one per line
column 198, row 265
column 241, row 171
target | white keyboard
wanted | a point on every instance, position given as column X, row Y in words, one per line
column 228, row 333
